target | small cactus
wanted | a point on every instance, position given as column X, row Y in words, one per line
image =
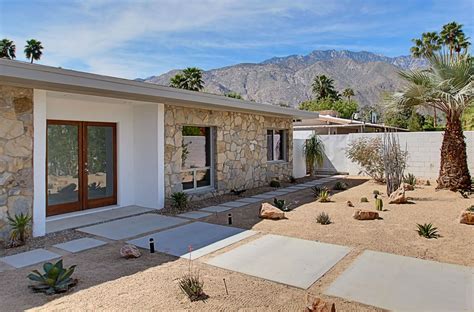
column 364, row 200
column 378, row 204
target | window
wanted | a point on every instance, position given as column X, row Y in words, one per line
column 276, row 145
column 196, row 158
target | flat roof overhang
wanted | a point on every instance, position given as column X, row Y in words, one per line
column 36, row 76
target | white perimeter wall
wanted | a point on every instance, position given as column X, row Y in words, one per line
column 140, row 145
column 423, row 152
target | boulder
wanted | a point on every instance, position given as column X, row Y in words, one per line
column 398, row 196
column 349, row 204
column 319, row 305
column 268, row 211
column 365, row 215
column 467, row 217
column 129, row 251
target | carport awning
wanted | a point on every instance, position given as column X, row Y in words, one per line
column 57, row 79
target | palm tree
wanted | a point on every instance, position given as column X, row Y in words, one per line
column 190, row 79
column 323, row 87
column 448, row 85
column 450, row 36
column 33, row 50
column 462, row 44
column 7, row 49
column 314, row 153
column 429, row 43
column 348, row 92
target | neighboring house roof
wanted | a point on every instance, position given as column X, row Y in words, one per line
column 57, row 79
column 327, row 121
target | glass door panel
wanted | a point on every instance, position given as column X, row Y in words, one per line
column 63, row 167
column 100, row 164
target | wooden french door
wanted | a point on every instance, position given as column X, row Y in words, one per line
column 81, row 165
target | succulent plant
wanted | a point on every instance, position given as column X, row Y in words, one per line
column 193, row 286
column 340, row 186
column 20, row 224
column 471, row 209
column 179, row 200
column 427, row 230
column 275, row 183
column 323, row 218
column 281, row 204
column 55, row 279
column 376, row 192
column 324, row 196
column 364, row 200
column 378, row 204
column 410, row 179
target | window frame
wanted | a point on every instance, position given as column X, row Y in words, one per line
column 284, row 145
column 211, row 186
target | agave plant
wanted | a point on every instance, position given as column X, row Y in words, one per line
column 281, row 204
column 470, row 209
column 20, row 224
column 179, row 200
column 317, row 190
column 410, row 179
column 364, row 200
column 55, row 279
column 192, row 286
column 427, row 230
column 323, row 218
column 324, row 196
column 340, row 186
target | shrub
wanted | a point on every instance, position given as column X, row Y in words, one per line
column 427, row 183
column 324, row 196
column 376, row 192
column 427, row 230
column 323, row 218
column 367, row 153
column 20, row 225
column 340, row 186
column 410, row 179
column 281, row 204
column 55, row 279
column 314, row 153
column 364, row 200
column 275, row 183
column 394, row 161
column 292, row 179
column 471, row 209
column 179, row 200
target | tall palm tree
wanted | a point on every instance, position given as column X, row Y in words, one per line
column 348, row 92
column 450, row 36
column 447, row 85
column 7, row 49
column 323, row 87
column 190, row 79
column 429, row 43
column 314, row 152
column 33, row 50
column 462, row 45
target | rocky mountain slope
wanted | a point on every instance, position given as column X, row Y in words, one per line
column 287, row 80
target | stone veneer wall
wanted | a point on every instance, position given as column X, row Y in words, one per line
column 240, row 156
column 16, row 153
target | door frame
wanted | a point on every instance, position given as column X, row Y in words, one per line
column 83, row 203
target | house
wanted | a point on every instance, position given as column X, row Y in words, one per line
column 72, row 141
column 328, row 123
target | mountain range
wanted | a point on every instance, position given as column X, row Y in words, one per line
column 287, row 80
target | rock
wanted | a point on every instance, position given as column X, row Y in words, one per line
column 129, row 251
column 10, row 129
column 467, row 217
column 349, row 204
column 398, row 196
column 319, row 305
column 268, row 211
column 365, row 215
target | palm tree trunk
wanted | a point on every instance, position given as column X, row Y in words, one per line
column 453, row 171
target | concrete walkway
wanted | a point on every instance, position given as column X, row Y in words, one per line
column 401, row 283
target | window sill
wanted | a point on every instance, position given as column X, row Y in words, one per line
column 276, row 162
column 201, row 190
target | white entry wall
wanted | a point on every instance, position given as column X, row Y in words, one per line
column 140, row 145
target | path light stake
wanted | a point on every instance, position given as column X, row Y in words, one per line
column 152, row 245
column 229, row 218
column 225, row 285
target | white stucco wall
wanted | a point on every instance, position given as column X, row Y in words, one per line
column 423, row 151
column 140, row 145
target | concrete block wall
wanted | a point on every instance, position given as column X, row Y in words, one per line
column 423, row 152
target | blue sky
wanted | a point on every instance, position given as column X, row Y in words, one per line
column 140, row 38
